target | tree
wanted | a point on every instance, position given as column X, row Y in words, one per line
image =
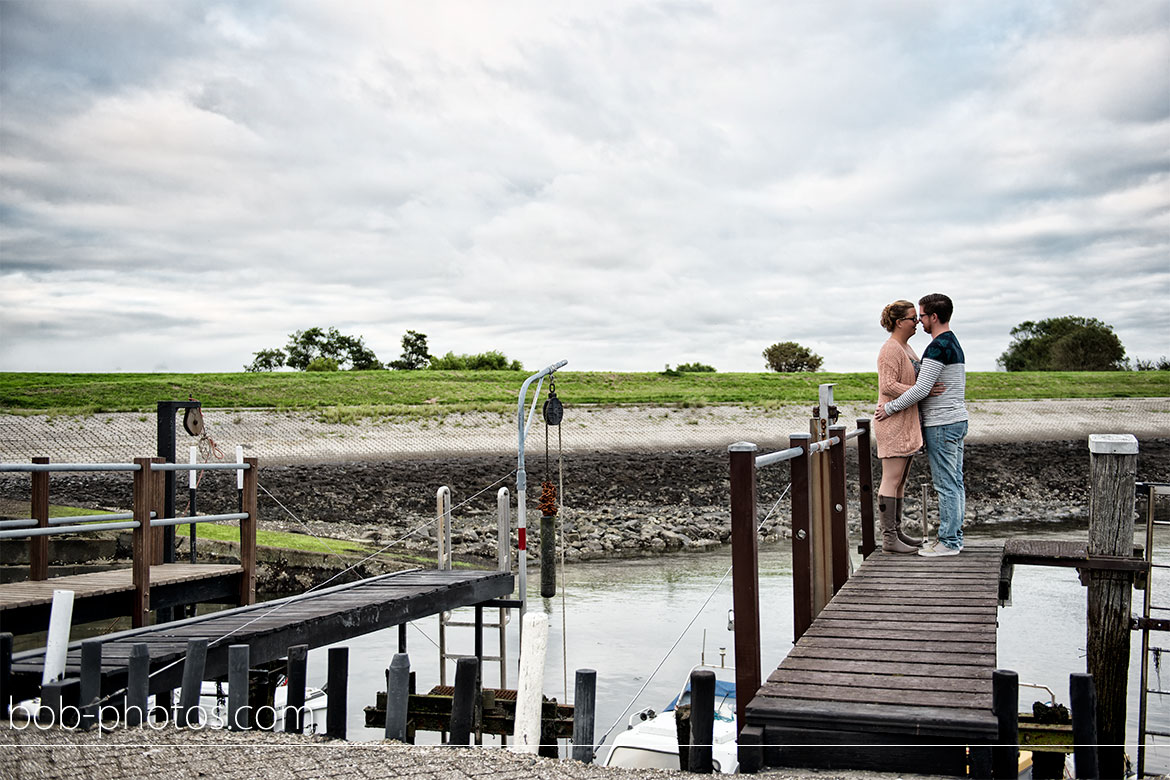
column 1161, row 364
column 306, row 346
column 1064, row 344
column 414, row 352
column 788, row 356
column 266, row 360
column 695, row 368
column 493, row 360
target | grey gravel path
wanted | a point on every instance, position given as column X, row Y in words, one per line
column 173, row 753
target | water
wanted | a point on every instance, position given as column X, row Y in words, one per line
column 622, row 617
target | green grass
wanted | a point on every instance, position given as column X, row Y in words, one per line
column 346, row 396
column 274, row 539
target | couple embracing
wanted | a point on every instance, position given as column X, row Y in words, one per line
column 921, row 403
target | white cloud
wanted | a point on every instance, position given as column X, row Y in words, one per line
column 622, row 184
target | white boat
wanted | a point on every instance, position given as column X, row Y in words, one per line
column 651, row 740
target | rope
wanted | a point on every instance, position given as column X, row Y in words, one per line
column 698, row 612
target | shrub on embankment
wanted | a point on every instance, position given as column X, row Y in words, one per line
column 422, row 392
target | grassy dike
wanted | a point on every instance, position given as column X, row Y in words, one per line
column 427, row 393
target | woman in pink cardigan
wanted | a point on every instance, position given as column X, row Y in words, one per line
column 899, row 437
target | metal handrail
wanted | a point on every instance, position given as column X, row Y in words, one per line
column 20, row 533
column 197, row 519
column 200, row 466
column 31, row 522
column 39, row 467
column 777, row 457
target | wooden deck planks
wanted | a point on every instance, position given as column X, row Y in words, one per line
column 903, row 653
column 319, row 618
column 30, row 593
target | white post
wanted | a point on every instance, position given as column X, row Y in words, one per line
column 239, row 472
column 504, row 530
column 57, row 644
column 443, row 511
column 533, row 646
column 193, row 475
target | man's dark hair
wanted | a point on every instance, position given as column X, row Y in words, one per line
column 937, row 303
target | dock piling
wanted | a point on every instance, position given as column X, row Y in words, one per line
column 6, row 644
column 1113, row 473
column 91, row 681
column 398, row 696
column 463, row 702
column 584, row 707
column 238, row 663
column 702, row 720
column 1005, row 703
column 338, row 677
column 533, row 646
column 137, row 684
column 193, row 667
column 1082, row 697
column 294, row 704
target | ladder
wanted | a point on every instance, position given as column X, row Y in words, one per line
column 443, row 511
column 1146, row 623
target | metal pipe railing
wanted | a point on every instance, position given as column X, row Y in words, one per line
column 162, row 522
column 199, row 466
column 21, row 533
column 777, row 457
column 40, row 467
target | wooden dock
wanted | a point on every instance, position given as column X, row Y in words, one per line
column 894, row 673
column 317, row 618
column 24, row 606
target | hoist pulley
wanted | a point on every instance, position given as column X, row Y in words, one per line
column 553, row 409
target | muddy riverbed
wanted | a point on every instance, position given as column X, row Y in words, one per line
column 615, row 504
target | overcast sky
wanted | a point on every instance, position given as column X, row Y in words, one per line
column 622, row 184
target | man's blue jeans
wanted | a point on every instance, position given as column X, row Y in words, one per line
column 944, row 450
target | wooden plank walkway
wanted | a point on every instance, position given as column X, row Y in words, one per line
column 24, row 606
column 317, row 618
column 895, row 671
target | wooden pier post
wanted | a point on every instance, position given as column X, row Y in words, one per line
column 239, row 661
column 158, row 504
column 745, row 580
column 6, row 644
column 397, row 697
column 91, row 681
column 1082, row 699
column 1113, row 472
column 463, row 702
column 802, row 587
column 193, row 666
column 338, row 677
column 1005, row 702
column 584, row 713
column 137, row 684
column 294, row 703
column 865, row 486
column 702, row 720
column 38, row 551
column 143, row 547
column 839, row 532
column 248, row 532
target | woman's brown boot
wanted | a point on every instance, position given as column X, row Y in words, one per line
column 913, row 541
column 888, row 519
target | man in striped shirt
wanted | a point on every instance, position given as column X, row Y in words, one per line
column 944, row 420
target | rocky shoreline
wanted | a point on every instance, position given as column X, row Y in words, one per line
column 615, row 504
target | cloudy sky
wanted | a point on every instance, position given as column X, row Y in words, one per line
column 622, row 184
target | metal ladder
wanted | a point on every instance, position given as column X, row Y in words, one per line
column 503, row 511
column 1146, row 623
